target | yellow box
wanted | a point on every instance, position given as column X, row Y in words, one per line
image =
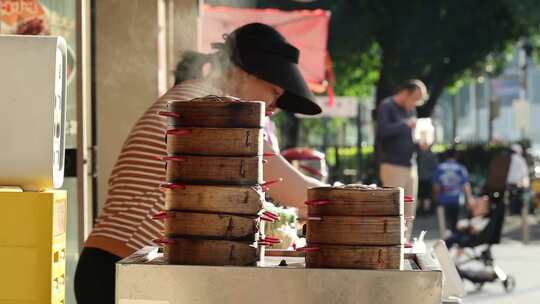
column 32, row 247
column 535, row 185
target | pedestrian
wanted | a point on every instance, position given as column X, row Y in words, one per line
column 396, row 147
column 396, row 120
column 518, row 179
column 450, row 186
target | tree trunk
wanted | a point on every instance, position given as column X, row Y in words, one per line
column 384, row 89
column 436, row 90
column 427, row 109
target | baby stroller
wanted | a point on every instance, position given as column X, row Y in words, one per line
column 477, row 249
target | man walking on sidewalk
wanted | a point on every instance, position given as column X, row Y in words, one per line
column 396, row 121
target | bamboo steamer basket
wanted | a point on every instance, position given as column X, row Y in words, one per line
column 186, row 251
column 215, row 170
column 241, row 200
column 216, row 112
column 349, row 230
column 210, row 225
column 215, row 141
column 359, row 257
column 355, row 201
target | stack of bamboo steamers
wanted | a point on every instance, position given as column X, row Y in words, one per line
column 355, row 226
column 214, row 193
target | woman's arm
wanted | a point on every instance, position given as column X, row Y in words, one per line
column 292, row 191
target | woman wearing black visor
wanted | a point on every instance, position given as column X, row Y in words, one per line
column 254, row 62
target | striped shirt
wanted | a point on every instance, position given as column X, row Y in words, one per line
column 126, row 223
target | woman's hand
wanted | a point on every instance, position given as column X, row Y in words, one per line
column 293, row 190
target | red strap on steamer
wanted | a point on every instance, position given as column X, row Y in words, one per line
column 317, row 202
column 169, row 114
column 164, row 241
column 408, row 199
column 172, row 186
column 178, row 132
column 308, row 249
column 174, row 158
column 266, row 185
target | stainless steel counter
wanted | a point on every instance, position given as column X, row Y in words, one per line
column 144, row 279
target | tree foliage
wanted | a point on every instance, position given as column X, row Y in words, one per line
column 437, row 41
column 382, row 43
column 378, row 44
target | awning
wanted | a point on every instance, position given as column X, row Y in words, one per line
column 306, row 29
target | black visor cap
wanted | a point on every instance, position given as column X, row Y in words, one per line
column 262, row 51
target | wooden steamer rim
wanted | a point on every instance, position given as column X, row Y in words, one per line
column 240, row 200
column 215, row 141
column 349, row 230
column 216, row 112
column 350, row 201
column 210, row 225
column 357, row 257
column 186, row 251
column 214, row 170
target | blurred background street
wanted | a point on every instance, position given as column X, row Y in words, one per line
column 517, row 259
column 436, row 93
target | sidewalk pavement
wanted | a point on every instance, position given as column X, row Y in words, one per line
column 521, row 261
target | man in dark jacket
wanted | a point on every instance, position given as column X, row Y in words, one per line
column 396, row 121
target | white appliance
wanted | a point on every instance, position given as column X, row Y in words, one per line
column 32, row 111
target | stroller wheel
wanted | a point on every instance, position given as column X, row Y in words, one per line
column 478, row 287
column 509, row 284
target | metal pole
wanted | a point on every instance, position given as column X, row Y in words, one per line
column 491, row 104
column 455, row 118
column 442, row 222
column 525, row 231
column 359, row 142
column 527, row 50
column 473, row 109
column 84, row 95
column 486, row 103
column 326, row 136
